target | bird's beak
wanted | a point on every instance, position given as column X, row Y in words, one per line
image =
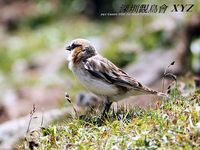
column 69, row 48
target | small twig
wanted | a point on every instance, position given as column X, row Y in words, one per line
column 171, row 75
column 176, row 85
column 167, row 74
column 31, row 117
column 69, row 100
column 169, row 89
column 42, row 121
column 175, row 80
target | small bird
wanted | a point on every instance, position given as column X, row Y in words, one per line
column 101, row 76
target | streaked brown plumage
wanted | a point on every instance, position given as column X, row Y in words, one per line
column 101, row 76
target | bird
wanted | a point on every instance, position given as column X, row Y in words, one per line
column 101, row 77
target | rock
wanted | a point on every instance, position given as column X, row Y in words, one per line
column 12, row 131
column 84, row 99
column 4, row 116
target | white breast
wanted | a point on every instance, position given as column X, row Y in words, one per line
column 92, row 84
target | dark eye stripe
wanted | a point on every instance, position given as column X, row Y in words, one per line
column 74, row 45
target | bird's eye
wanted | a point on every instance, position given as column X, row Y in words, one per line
column 85, row 49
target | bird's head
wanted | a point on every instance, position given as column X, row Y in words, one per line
column 80, row 50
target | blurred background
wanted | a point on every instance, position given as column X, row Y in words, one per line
column 33, row 36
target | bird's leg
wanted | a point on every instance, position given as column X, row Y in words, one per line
column 107, row 107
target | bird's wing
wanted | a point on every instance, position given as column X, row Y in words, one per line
column 103, row 69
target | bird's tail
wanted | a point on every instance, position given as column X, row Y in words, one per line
column 150, row 91
column 162, row 94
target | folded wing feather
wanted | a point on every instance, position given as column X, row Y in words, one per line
column 102, row 68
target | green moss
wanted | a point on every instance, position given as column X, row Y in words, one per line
column 6, row 60
column 151, row 40
column 166, row 127
column 34, row 22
